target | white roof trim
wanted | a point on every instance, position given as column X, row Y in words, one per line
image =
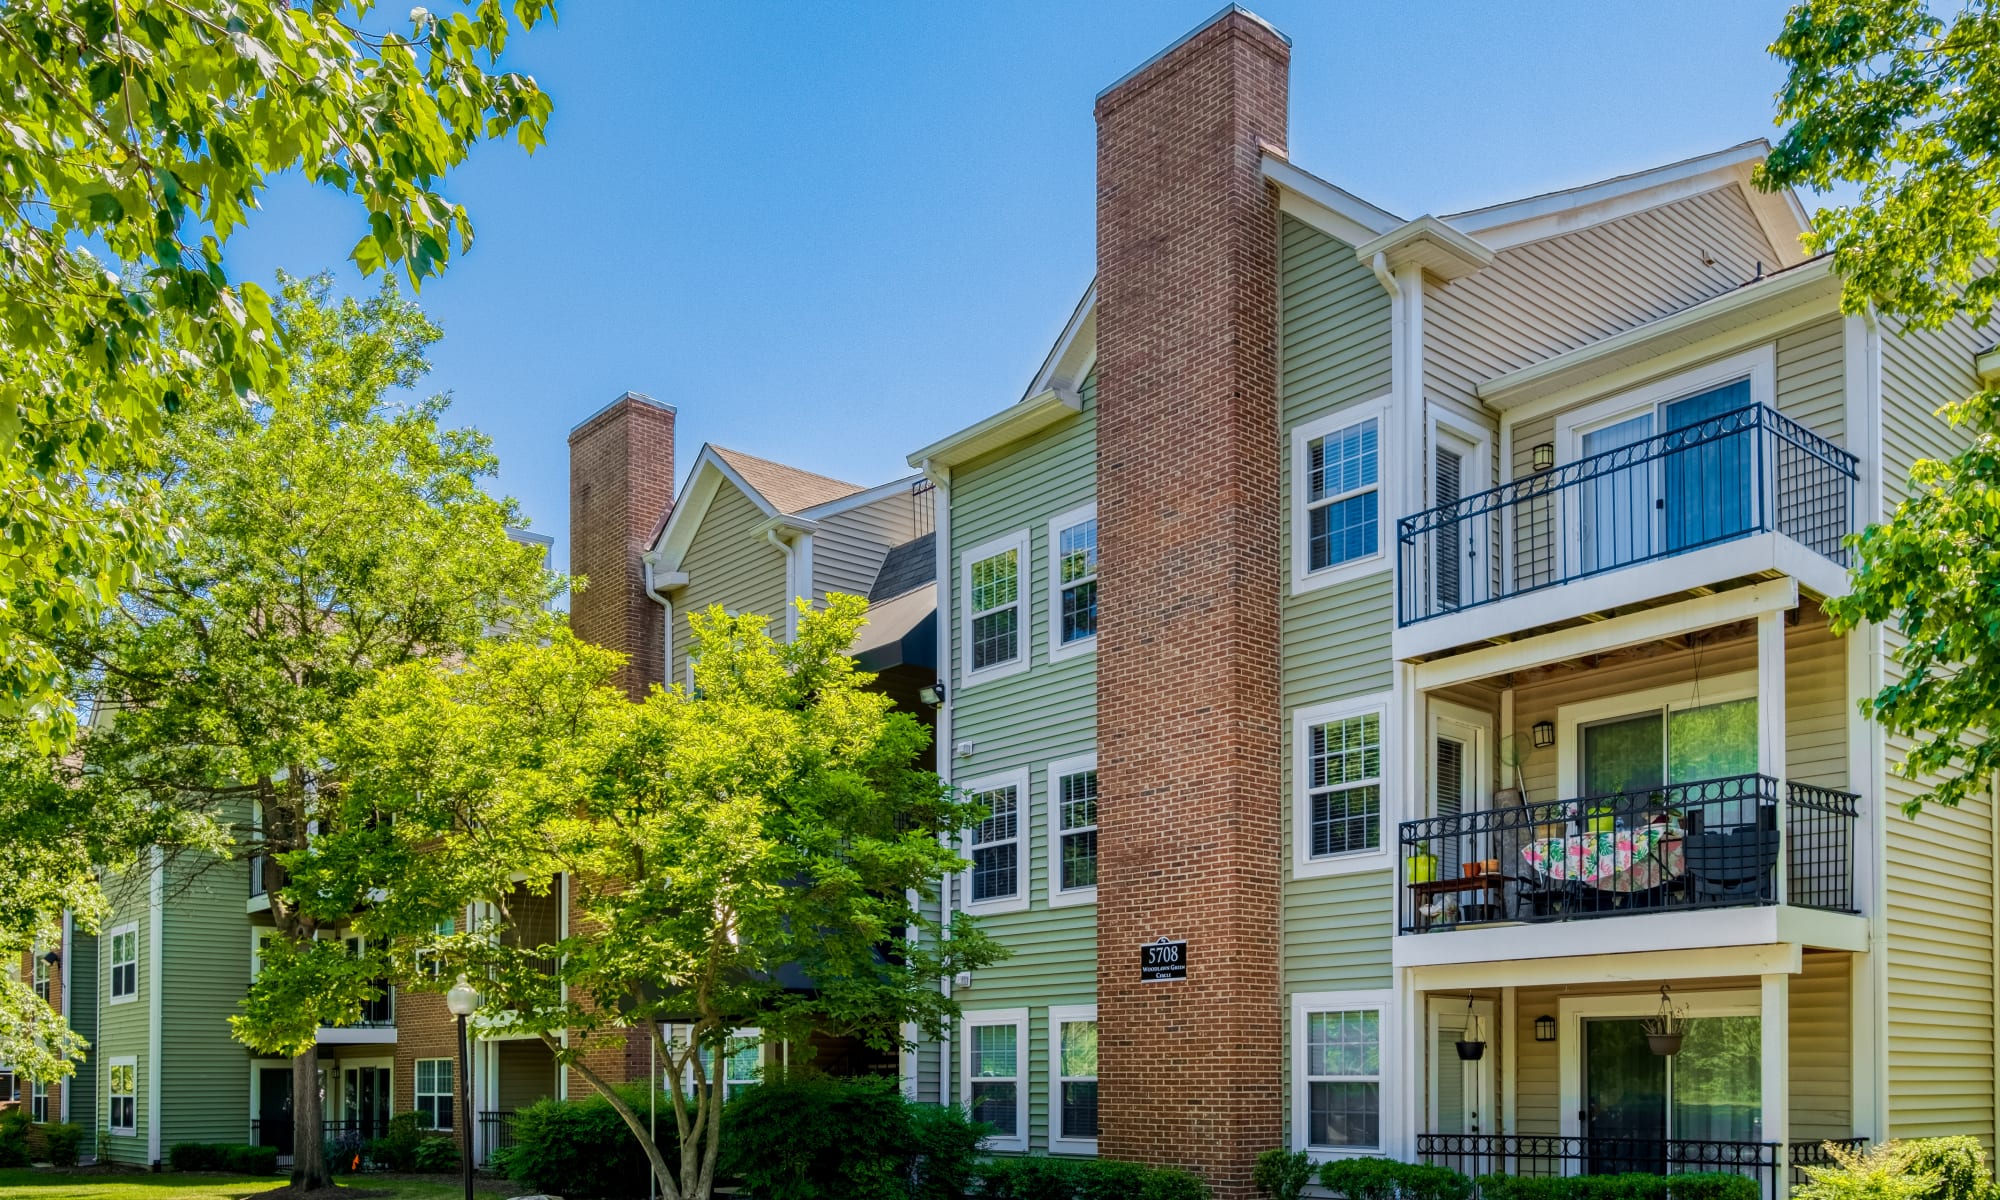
column 1330, row 209
column 1987, row 364
column 1075, row 350
column 1431, row 244
column 1009, row 425
column 861, row 499
column 704, row 479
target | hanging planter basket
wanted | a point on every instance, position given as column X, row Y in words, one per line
column 1666, row 1045
column 1471, row 1051
column 1666, row 1028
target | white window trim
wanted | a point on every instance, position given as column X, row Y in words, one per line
column 1058, row 649
column 111, row 995
column 1018, row 1018
column 450, row 1090
column 111, row 1067
column 1385, row 1002
column 1058, row 1015
column 1018, row 541
column 1023, row 840
column 1059, row 896
column 259, row 934
column 1570, row 718
column 1303, row 578
column 1759, row 366
column 1303, row 719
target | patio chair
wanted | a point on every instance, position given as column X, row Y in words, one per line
column 1731, row 867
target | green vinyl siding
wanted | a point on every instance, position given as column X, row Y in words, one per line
column 124, row 1029
column 1028, row 720
column 81, row 998
column 204, row 972
column 730, row 563
column 1334, row 352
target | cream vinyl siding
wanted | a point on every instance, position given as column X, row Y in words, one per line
column 1030, row 719
column 1941, row 867
column 1334, row 352
column 1812, row 379
column 728, row 563
column 849, row 547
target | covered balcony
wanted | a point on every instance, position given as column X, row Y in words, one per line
column 1637, row 515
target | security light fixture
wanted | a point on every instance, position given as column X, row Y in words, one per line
column 1545, row 455
column 932, row 694
column 1545, row 734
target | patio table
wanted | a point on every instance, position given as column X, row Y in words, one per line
column 1614, row 860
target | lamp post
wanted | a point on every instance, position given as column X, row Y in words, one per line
column 463, row 1001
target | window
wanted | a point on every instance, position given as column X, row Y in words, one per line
column 1338, row 520
column 1073, row 582
column 1073, row 1082
column 1679, row 734
column 742, row 1063
column 1338, row 766
column 124, row 964
column 993, row 1088
column 995, row 883
column 434, row 1091
column 1073, row 830
column 124, row 1092
column 429, row 961
column 38, row 1103
column 1339, row 1102
column 44, row 974
column 995, row 585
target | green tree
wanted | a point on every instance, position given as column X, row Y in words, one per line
column 135, row 138
column 723, row 845
column 1905, row 103
column 324, row 533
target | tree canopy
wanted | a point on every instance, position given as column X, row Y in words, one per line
column 135, row 137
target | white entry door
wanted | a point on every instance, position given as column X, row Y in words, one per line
column 1461, row 1090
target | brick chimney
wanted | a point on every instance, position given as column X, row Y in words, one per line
column 621, row 485
column 1187, row 663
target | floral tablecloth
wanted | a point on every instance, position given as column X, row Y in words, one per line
column 1620, row 860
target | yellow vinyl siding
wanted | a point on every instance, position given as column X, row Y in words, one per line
column 1822, row 1047
column 1812, row 379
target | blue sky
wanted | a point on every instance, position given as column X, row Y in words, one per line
column 830, row 233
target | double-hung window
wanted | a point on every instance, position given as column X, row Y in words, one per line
column 995, row 1087
column 38, row 1103
column 1338, row 1094
column 742, row 1063
column 995, row 586
column 434, row 1092
column 997, row 881
column 1339, row 766
column 1073, row 1081
column 124, row 964
column 1338, row 520
column 124, row 1096
column 43, row 975
column 1073, row 830
column 1073, row 582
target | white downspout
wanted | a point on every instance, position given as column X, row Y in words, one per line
column 666, row 623
column 940, row 478
column 791, row 579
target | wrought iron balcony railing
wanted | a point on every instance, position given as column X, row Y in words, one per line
column 1742, row 472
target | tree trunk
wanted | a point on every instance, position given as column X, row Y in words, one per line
column 309, row 1169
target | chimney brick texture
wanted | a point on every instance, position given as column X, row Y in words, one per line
column 621, row 485
column 1187, row 497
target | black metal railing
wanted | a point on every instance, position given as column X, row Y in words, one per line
column 272, row 1131
column 1819, row 1154
column 1748, row 471
column 496, row 1132
column 1529, row 1155
column 1713, row 843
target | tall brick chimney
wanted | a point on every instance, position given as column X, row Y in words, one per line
column 1187, row 659
column 621, row 485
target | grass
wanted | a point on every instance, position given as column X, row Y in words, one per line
column 29, row 1184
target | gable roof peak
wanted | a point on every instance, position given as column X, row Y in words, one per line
column 787, row 489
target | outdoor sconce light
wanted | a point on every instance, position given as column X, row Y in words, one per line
column 1545, row 734
column 932, row 694
column 1545, row 1028
column 1545, row 455
column 52, row 958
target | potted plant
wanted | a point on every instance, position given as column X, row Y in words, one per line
column 1472, row 1045
column 1665, row 1028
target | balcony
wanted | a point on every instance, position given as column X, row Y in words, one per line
column 1710, row 844
column 1751, row 490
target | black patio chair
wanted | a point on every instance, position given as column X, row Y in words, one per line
column 1731, row 867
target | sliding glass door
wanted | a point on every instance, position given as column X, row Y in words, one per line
column 1711, row 1091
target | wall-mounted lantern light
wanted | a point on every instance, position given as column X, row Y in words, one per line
column 1545, row 1028
column 1545, row 734
column 1545, row 455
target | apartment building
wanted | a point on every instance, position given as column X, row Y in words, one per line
column 1391, row 652
column 46, row 968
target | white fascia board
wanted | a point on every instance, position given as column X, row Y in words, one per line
column 1069, row 359
column 1003, row 428
column 1533, row 218
column 355, row 1035
column 1988, row 366
column 704, row 478
column 1586, row 956
column 1330, row 209
column 895, row 487
column 1439, row 249
column 1807, row 292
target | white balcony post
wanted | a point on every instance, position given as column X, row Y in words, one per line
column 1775, row 1061
column 1771, row 721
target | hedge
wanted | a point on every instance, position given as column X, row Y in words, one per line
column 1085, row 1179
column 582, row 1150
column 226, row 1158
column 1693, row 1185
column 1387, row 1179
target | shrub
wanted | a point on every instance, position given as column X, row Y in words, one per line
column 396, row 1149
column 1949, row 1168
column 1387, row 1179
column 252, row 1160
column 1281, row 1174
column 14, row 1138
column 227, row 1158
column 1694, row 1185
column 581, row 1149
column 1958, row 1165
column 64, row 1141
column 436, row 1153
column 1085, row 1179
column 946, row 1144
column 815, row 1137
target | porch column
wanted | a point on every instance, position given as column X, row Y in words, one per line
column 1771, row 720
column 1775, row 1060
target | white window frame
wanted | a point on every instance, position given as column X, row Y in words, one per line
column 678, row 1035
column 1059, row 649
column 1018, row 541
column 112, row 1096
column 1059, row 896
column 419, row 1095
column 1758, row 365
column 41, row 975
column 1058, row 1017
column 1384, row 1002
column 1573, row 1010
column 1304, row 578
column 111, row 993
column 1304, row 863
column 1477, row 443
column 1673, row 697
column 1018, row 780
column 38, row 1101
column 1018, row 1018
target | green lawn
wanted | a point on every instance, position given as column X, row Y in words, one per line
column 57, row 1185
